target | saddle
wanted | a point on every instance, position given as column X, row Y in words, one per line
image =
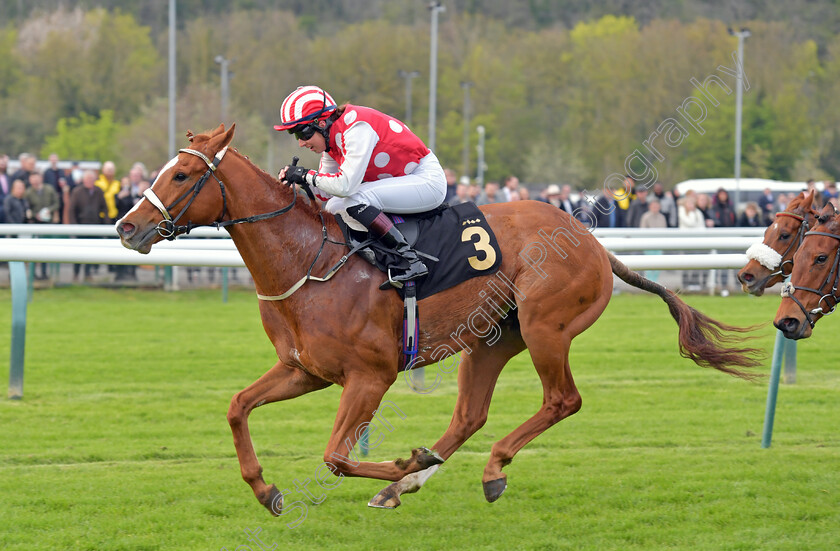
column 457, row 243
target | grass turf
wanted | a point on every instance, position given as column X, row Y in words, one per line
column 121, row 440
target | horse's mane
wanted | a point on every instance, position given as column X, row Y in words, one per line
column 310, row 207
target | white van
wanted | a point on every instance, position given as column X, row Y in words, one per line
column 750, row 189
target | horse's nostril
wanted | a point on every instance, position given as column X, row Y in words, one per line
column 127, row 229
column 787, row 325
column 747, row 278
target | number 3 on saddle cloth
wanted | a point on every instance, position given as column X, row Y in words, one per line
column 459, row 237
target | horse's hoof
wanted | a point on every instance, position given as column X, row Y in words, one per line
column 494, row 489
column 274, row 501
column 387, row 498
column 427, row 458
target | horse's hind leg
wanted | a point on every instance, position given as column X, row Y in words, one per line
column 549, row 319
column 560, row 400
column 477, row 376
column 281, row 382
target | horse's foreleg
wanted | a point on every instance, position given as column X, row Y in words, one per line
column 358, row 405
column 281, row 382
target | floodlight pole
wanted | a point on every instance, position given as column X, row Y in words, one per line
column 479, row 173
column 466, row 85
column 172, row 34
column 739, row 96
column 408, row 76
column 170, row 272
column 221, row 60
column 224, row 63
column 435, row 8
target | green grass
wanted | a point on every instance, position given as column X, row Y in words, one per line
column 121, row 441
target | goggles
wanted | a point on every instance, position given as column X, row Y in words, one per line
column 304, row 132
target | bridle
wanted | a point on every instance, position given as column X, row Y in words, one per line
column 169, row 229
column 832, row 279
column 771, row 259
column 804, row 226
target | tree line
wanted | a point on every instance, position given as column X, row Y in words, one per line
column 561, row 101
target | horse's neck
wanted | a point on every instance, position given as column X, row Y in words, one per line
column 277, row 251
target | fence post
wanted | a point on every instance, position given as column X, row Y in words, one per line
column 20, row 297
column 790, row 362
column 30, row 282
column 363, row 443
column 225, row 284
column 773, row 389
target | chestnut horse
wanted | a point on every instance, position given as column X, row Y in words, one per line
column 812, row 290
column 555, row 280
column 772, row 259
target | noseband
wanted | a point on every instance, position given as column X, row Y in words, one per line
column 168, row 228
column 832, row 279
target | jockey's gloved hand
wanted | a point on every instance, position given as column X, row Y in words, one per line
column 300, row 175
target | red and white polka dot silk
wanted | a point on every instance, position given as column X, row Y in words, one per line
column 397, row 153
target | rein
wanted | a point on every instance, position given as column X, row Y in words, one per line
column 833, row 278
column 168, row 228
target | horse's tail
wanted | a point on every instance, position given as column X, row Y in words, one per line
column 709, row 343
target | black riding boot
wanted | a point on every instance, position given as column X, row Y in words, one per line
column 381, row 227
column 394, row 239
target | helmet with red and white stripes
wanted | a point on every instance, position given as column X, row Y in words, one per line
column 305, row 105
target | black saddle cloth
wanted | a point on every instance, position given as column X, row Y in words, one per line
column 459, row 237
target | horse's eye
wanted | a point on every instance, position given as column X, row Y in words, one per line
column 180, row 177
column 821, row 259
column 784, row 236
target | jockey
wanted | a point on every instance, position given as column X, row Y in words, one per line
column 371, row 164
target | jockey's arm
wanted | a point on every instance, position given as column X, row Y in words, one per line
column 342, row 181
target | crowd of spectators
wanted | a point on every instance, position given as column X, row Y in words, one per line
column 646, row 206
column 70, row 196
column 75, row 196
column 641, row 206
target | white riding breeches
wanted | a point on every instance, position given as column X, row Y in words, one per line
column 422, row 190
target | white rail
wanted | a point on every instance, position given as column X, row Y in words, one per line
column 634, row 233
column 221, row 255
column 107, row 230
column 220, row 251
column 90, row 230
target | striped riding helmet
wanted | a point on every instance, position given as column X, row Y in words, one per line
column 305, row 105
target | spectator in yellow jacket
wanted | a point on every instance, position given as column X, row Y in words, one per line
column 110, row 186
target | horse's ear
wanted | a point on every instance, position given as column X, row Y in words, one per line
column 826, row 213
column 809, row 197
column 221, row 138
column 190, row 135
